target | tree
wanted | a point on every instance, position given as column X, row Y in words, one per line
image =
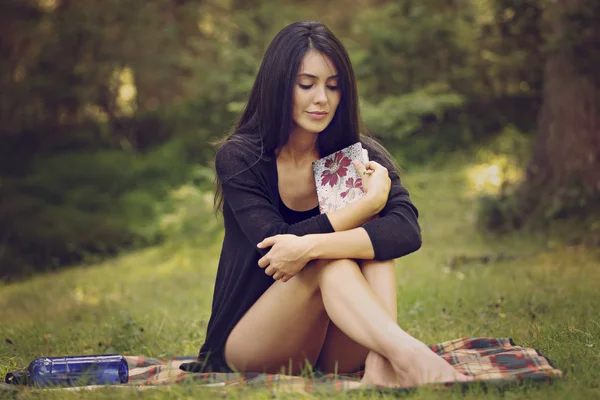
column 563, row 176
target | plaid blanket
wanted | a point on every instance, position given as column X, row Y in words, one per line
column 491, row 360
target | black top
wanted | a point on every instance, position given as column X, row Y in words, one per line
column 253, row 211
column 292, row 216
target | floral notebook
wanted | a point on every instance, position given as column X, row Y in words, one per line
column 338, row 183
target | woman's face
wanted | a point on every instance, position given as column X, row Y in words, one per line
column 316, row 92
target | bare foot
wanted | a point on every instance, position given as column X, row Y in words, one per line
column 379, row 371
column 420, row 366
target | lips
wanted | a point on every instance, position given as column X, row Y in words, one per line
column 318, row 112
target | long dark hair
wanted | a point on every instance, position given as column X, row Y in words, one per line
column 266, row 121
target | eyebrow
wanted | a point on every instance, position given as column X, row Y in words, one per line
column 316, row 77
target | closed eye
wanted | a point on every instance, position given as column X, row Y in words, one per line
column 306, row 87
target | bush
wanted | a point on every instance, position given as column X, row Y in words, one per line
column 73, row 204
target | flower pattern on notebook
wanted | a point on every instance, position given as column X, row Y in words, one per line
column 336, row 166
column 354, row 188
column 338, row 182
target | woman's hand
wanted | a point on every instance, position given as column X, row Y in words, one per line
column 288, row 255
column 375, row 181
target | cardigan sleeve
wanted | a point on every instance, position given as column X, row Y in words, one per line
column 246, row 192
column 397, row 232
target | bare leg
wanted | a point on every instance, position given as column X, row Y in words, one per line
column 342, row 354
column 264, row 338
column 382, row 278
column 356, row 310
column 284, row 328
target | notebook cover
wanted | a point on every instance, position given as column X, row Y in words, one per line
column 338, row 182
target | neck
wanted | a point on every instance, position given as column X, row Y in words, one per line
column 301, row 147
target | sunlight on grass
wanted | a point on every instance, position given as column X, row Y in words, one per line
column 123, row 82
column 157, row 301
column 47, row 5
column 488, row 178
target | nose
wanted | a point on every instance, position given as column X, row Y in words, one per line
column 320, row 95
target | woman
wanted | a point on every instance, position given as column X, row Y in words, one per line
column 295, row 287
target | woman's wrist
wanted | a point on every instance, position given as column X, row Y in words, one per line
column 311, row 246
column 375, row 202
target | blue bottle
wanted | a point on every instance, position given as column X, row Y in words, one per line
column 109, row 369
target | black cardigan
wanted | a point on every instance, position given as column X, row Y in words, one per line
column 251, row 213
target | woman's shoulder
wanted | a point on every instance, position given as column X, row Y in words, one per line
column 234, row 157
column 229, row 151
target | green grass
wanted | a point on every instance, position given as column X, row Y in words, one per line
column 156, row 302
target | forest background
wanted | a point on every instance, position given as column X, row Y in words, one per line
column 107, row 109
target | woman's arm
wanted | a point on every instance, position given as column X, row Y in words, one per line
column 289, row 254
column 393, row 234
column 396, row 232
column 355, row 214
column 246, row 194
column 354, row 243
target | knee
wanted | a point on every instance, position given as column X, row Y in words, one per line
column 340, row 263
column 377, row 264
column 314, row 271
column 338, row 268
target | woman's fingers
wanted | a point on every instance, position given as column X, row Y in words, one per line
column 379, row 183
column 270, row 270
column 379, row 171
column 360, row 167
column 375, row 166
column 267, row 242
column 277, row 275
column 263, row 262
column 363, row 169
column 364, row 174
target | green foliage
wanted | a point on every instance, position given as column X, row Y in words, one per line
column 436, row 76
column 499, row 213
column 396, row 117
column 394, row 41
column 77, row 204
column 190, row 214
column 68, row 62
column 570, row 206
column 105, row 106
column 108, row 69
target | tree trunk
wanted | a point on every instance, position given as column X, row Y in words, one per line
column 564, row 173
